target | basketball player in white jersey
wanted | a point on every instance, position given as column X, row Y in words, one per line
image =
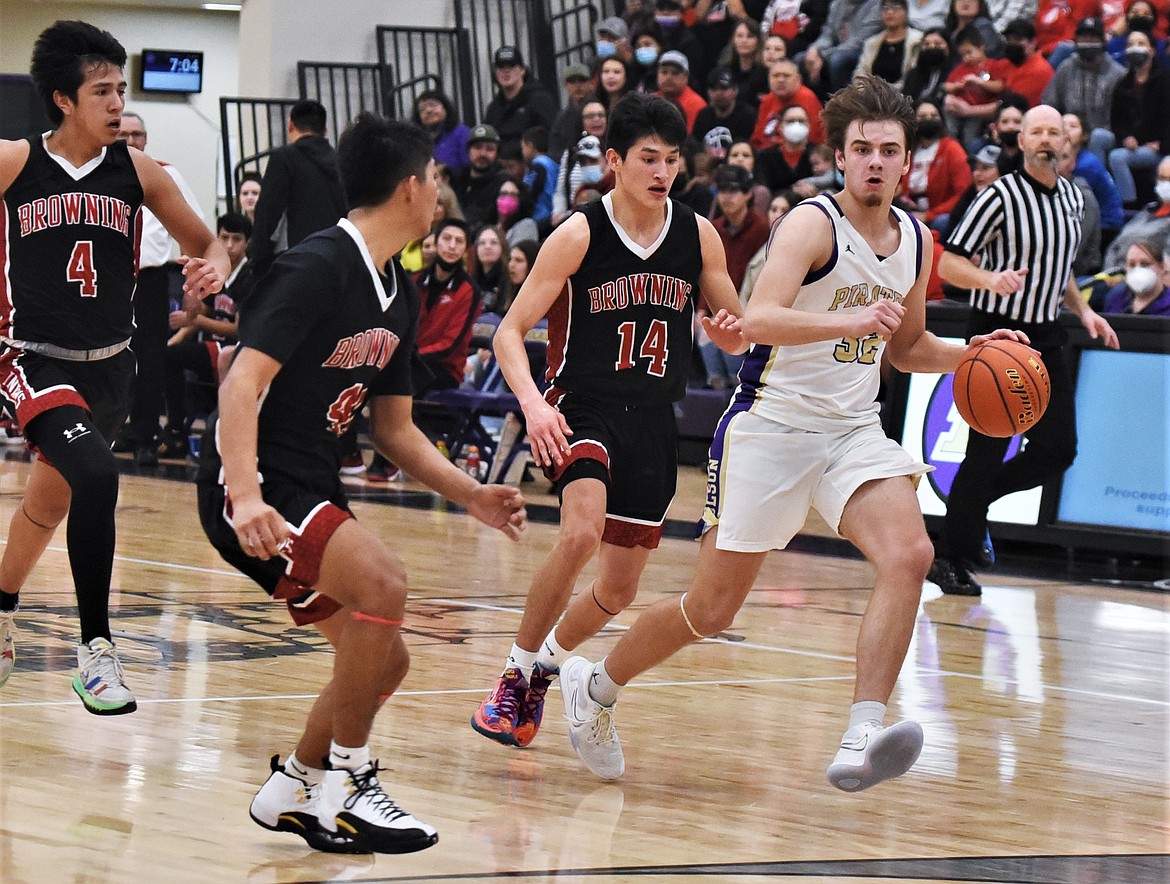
column 845, row 276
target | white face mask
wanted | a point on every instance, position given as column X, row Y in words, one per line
column 1141, row 279
column 795, row 132
column 1162, row 189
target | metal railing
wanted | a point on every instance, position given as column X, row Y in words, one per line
column 345, row 89
column 426, row 58
column 251, row 128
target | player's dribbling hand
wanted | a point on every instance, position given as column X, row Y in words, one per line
column 500, row 506
column 726, row 332
column 1001, row 334
column 547, row 433
column 260, row 529
column 880, row 318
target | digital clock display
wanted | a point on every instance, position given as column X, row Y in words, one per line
column 172, row 70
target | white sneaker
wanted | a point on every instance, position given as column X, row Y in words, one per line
column 99, row 681
column 870, row 753
column 7, row 646
column 352, row 802
column 591, row 727
column 286, row 803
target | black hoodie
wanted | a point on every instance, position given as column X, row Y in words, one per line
column 301, row 193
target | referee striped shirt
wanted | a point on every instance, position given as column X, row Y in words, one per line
column 1018, row 222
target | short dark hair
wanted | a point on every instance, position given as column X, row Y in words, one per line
column 252, row 176
column 440, row 226
column 440, row 96
column 638, row 115
column 375, row 155
column 971, row 35
column 234, row 222
column 308, row 115
column 64, row 54
column 867, row 99
column 537, row 136
column 1013, row 99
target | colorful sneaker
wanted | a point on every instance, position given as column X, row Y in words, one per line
column 871, row 753
column 532, row 709
column 7, row 646
column 286, row 803
column 353, row 803
column 497, row 716
column 591, row 727
column 99, row 680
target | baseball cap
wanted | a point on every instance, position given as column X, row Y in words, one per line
column 483, row 132
column 731, row 177
column 589, row 146
column 508, row 56
column 675, row 58
column 1090, row 27
column 613, row 27
column 720, row 78
column 988, row 155
column 576, row 71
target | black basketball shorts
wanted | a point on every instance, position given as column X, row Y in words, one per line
column 634, row 450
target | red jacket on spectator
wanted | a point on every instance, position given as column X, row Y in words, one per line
column 772, row 107
column 447, row 314
column 1056, row 20
column 1030, row 78
column 741, row 244
column 691, row 103
column 946, row 179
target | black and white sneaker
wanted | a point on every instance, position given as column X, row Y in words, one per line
column 286, row 803
column 953, row 577
column 353, row 803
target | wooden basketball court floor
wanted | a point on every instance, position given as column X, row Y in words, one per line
column 1045, row 706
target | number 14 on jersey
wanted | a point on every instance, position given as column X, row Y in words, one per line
column 654, row 347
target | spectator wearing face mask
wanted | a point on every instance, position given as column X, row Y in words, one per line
column 581, row 165
column 1144, row 291
column 668, row 18
column 1030, row 72
column 612, row 39
column 1084, row 85
column 1141, row 15
column 924, row 81
column 938, row 172
column 783, row 164
column 1140, row 116
column 1151, row 223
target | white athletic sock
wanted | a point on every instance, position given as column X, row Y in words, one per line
column 602, row 688
column 551, row 655
column 522, row 660
column 867, row 711
column 348, row 758
column 296, row 768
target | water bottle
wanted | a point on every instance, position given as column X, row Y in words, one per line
column 442, row 446
column 472, row 465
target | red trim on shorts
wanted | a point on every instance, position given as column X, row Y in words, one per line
column 213, row 350
column 578, row 451
column 631, row 534
column 25, row 401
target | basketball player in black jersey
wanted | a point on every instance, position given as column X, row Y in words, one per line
column 332, row 323
column 619, row 282
column 71, row 223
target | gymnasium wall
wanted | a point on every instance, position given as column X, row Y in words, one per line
column 251, row 53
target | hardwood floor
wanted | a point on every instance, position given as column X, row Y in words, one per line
column 1045, row 706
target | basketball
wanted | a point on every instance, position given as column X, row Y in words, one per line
column 1001, row 388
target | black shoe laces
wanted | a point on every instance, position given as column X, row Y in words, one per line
column 366, row 786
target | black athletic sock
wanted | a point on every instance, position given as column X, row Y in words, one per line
column 75, row 448
column 9, row 601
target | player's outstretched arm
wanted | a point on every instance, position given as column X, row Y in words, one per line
column 557, row 260
column 260, row 529
column 396, row 436
column 802, row 243
column 205, row 262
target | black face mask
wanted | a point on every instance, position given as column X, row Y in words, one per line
column 1009, row 139
column 1014, row 53
column 933, row 57
column 1090, row 52
column 930, row 129
column 1135, row 58
column 447, row 266
column 1141, row 23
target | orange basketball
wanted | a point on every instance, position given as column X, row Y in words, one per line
column 1002, row 388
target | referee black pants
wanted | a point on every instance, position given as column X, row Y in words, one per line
column 1050, row 449
column 152, row 309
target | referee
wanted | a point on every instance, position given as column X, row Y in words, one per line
column 1014, row 248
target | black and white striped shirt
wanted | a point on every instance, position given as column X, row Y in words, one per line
column 1018, row 222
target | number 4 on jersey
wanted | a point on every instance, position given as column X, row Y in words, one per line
column 81, row 268
column 654, row 347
